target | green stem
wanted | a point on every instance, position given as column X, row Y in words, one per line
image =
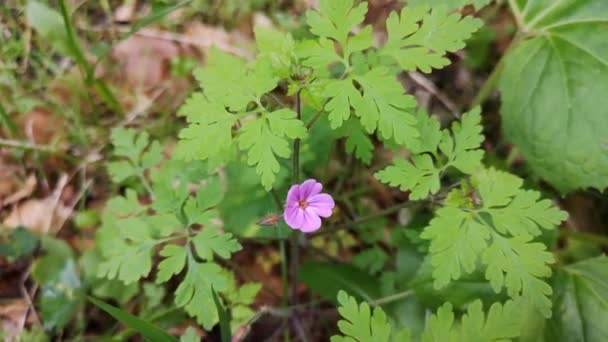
column 146, row 184
column 586, row 237
column 86, row 69
column 7, row 121
column 517, row 15
column 283, row 253
column 314, row 119
column 490, row 83
column 295, row 250
column 392, row 298
column 296, row 145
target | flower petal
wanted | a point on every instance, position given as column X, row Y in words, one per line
column 294, row 217
column 293, row 196
column 311, row 221
column 322, row 204
column 309, row 188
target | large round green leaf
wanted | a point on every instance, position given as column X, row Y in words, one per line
column 580, row 310
column 555, row 91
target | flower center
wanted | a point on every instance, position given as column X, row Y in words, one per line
column 302, row 204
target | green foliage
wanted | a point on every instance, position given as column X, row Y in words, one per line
column 460, row 150
column 190, row 335
column 128, row 239
column 580, row 309
column 371, row 259
column 358, row 142
column 136, row 152
column 132, row 232
column 49, row 24
column 336, row 19
column 546, row 85
column 17, row 243
column 499, row 233
column 502, row 322
column 212, row 113
column 327, row 279
column 194, row 293
column 339, row 72
column 360, row 324
column 61, row 289
column 145, row 328
column 240, row 300
column 483, row 241
column 419, row 39
column 279, row 48
column 266, row 139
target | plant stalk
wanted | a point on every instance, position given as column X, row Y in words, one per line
column 392, row 298
column 295, row 245
column 283, row 253
column 87, row 71
column 490, row 83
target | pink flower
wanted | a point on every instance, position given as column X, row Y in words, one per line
column 306, row 205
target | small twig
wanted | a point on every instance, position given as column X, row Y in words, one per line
column 429, row 86
column 24, row 145
column 299, row 329
column 55, row 198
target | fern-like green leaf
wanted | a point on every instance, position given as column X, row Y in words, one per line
column 265, row 141
column 336, row 19
column 460, row 149
column 136, row 152
column 194, row 293
column 209, row 242
column 503, row 322
column 497, row 230
column 359, row 323
column 457, row 241
column 419, row 38
column 173, row 262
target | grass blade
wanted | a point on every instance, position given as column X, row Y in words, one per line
column 149, row 331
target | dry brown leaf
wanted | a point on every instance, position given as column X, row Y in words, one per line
column 204, row 36
column 9, row 176
column 41, row 215
column 25, row 191
column 41, row 126
column 124, row 13
column 144, row 61
column 12, row 319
